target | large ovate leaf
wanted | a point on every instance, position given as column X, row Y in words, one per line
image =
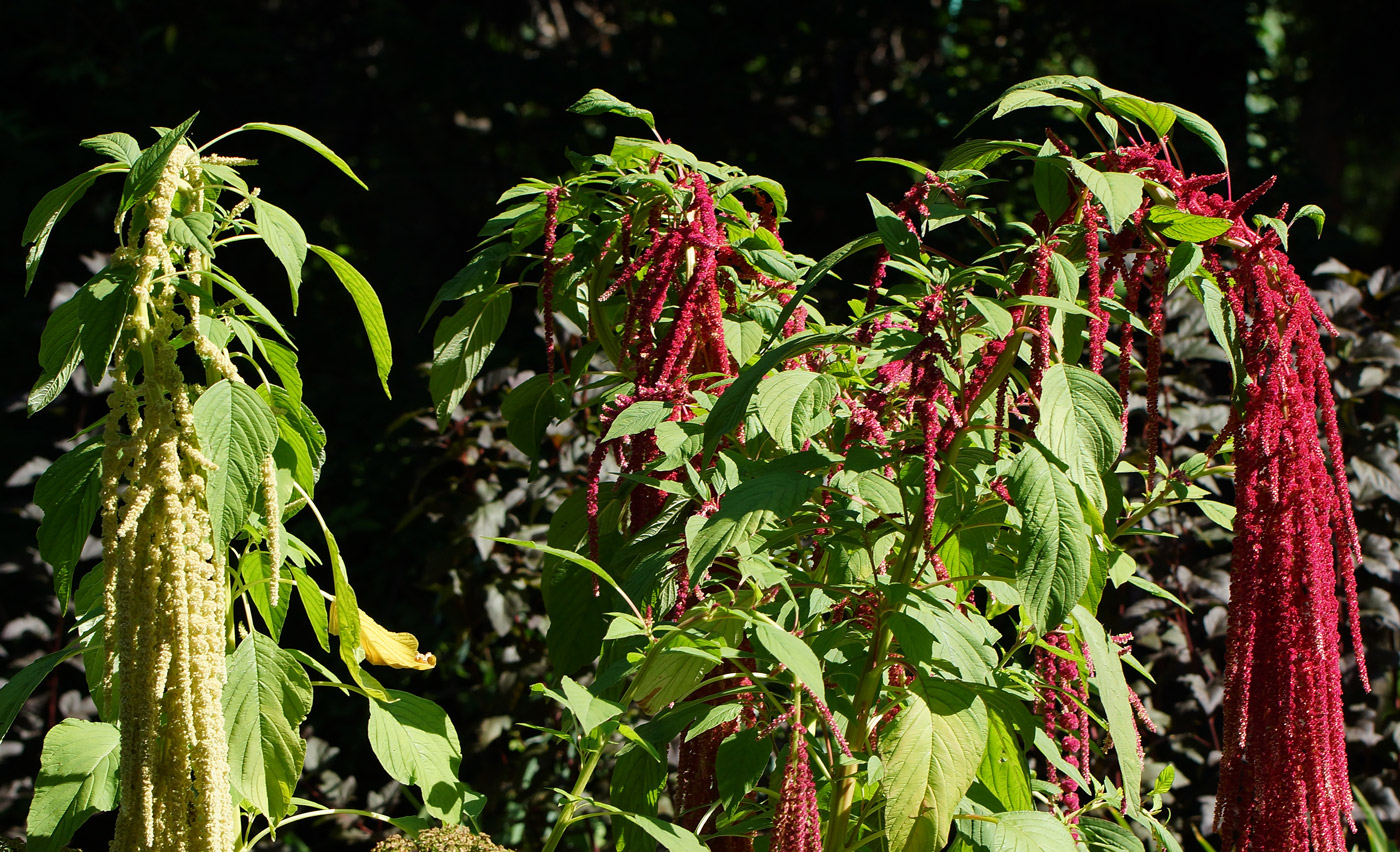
column 121, row 147
column 744, row 510
column 906, row 750
column 1081, row 424
column 598, row 101
column 236, row 431
column 637, row 781
column 417, row 744
column 730, row 410
column 77, row 778
column 958, row 719
column 1030, row 831
column 1119, row 193
column 1003, row 769
column 266, row 698
column 529, row 410
column 1053, row 565
column 1181, row 225
column 460, row 347
column 68, row 492
column 794, row 405
column 103, row 304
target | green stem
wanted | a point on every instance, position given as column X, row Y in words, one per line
column 257, row 838
column 584, row 774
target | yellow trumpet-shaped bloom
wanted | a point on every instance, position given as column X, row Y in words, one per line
column 384, row 648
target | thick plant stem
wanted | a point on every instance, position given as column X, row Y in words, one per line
column 566, row 815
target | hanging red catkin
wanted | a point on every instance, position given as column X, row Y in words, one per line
column 797, row 824
column 1283, row 768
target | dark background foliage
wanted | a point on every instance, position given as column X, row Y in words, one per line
column 441, row 106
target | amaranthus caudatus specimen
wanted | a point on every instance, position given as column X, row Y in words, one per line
column 944, row 441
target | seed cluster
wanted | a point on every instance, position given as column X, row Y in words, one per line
column 166, row 587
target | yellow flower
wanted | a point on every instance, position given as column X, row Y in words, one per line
column 382, row 648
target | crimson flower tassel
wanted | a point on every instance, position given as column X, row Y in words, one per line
column 797, row 824
column 1283, row 768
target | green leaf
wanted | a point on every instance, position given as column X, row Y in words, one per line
column 1221, row 513
column 637, row 782
column 60, row 351
column 1030, row 831
column 767, row 186
column 121, row 147
column 17, row 689
column 1120, row 194
column 309, row 141
column 1053, row 567
column 460, row 347
column 1186, row 259
column 301, row 441
column 744, row 510
column 589, row 710
column 77, row 778
column 959, row 725
column 193, row 230
column 371, row 312
column 794, row 405
column 1203, row 129
column 266, row 698
column 1080, row 423
column 1051, row 184
column 285, row 239
column 284, row 361
column 69, row 492
column 1113, row 689
column 638, row 417
column 1003, row 769
column 672, row 836
column 672, row 669
column 1025, row 98
column 979, row 153
column 236, row 431
column 253, row 567
column 894, row 231
column 315, row 605
column 598, row 101
column 417, row 744
column 529, row 410
column 1220, row 316
column 1158, row 117
column 1181, row 225
column 479, row 275
column 52, row 207
column 739, row 765
column 1278, row 226
column 1100, row 835
column 145, row 172
column 103, row 304
column 793, row 653
column 906, row 749
column 1313, row 212
column 729, row 412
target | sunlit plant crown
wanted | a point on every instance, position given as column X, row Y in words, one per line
column 855, row 558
